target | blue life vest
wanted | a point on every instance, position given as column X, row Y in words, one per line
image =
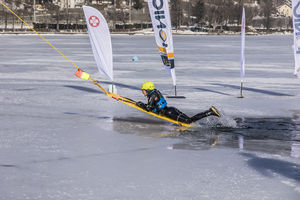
column 161, row 104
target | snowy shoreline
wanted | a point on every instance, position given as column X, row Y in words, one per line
column 151, row 33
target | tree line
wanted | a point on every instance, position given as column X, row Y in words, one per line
column 224, row 12
column 259, row 13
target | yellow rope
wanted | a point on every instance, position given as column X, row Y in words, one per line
column 94, row 81
column 39, row 35
column 91, row 79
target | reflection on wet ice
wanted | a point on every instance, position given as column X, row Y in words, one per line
column 295, row 150
column 268, row 135
column 241, row 142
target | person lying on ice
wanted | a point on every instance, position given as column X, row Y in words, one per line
column 157, row 104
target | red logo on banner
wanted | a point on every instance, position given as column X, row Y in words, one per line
column 94, row 21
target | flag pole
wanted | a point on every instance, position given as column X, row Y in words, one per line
column 243, row 30
column 241, row 90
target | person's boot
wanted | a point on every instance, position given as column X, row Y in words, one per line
column 213, row 111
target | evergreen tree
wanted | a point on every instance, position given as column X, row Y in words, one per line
column 176, row 13
column 267, row 9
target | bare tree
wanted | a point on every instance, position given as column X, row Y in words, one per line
column 176, row 13
column 4, row 17
column 68, row 12
column 251, row 12
column 198, row 10
column 54, row 12
column 137, row 4
column 216, row 11
column 267, row 9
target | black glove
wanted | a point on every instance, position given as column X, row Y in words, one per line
column 141, row 105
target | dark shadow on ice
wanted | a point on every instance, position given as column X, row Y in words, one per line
column 25, row 89
column 121, row 85
column 268, row 92
column 268, row 166
column 207, row 90
column 70, row 113
column 85, row 89
column 51, row 160
column 8, row 166
column 64, row 159
column 87, row 115
column 103, row 117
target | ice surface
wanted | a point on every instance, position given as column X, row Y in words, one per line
column 61, row 138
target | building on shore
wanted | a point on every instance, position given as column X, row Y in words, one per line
column 69, row 3
column 285, row 9
column 77, row 3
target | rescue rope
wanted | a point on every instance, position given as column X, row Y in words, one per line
column 90, row 78
column 39, row 34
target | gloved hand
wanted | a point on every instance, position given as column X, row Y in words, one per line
column 141, row 104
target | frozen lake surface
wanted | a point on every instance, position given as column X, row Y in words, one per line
column 61, row 138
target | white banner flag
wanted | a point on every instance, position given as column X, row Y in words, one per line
column 160, row 17
column 100, row 40
column 296, row 24
column 243, row 27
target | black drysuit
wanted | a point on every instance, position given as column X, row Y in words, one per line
column 154, row 105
